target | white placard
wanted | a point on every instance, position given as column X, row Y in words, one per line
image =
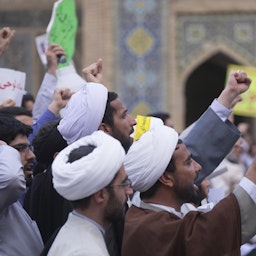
column 12, row 85
column 41, row 46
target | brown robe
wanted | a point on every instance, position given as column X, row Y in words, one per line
column 160, row 233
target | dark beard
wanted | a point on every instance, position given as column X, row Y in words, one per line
column 114, row 210
column 125, row 142
column 197, row 198
column 187, row 195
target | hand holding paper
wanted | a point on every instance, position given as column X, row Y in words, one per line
column 52, row 57
column 8, row 103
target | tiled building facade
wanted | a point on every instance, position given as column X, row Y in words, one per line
column 168, row 55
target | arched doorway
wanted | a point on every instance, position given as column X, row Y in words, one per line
column 204, row 84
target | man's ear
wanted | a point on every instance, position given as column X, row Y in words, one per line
column 100, row 196
column 167, row 179
column 105, row 128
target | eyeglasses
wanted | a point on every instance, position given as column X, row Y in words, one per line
column 23, row 148
column 126, row 183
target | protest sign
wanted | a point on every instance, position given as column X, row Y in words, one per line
column 62, row 27
column 41, row 46
column 12, row 85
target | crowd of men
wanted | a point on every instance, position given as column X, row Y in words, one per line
column 97, row 181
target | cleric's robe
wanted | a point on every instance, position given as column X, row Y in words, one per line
column 151, row 232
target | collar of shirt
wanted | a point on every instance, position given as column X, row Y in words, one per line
column 102, row 230
column 165, row 208
column 185, row 208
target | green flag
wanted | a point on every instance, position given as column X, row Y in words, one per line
column 63, row 26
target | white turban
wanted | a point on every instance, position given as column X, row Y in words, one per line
column 90, row 173
column 84, row 112
column 149, row 156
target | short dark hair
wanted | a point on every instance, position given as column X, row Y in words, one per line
column 27, row 97
column 171, row 167
column 161, row 115
column 15, row 111
column 74, row 155
column 10, row 128
column 46, row 143
column 108, row 115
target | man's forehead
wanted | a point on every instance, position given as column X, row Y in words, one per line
column 20, row 138
column 181, row 151
column 28, row 120
column 121, row 174
column 118, row 105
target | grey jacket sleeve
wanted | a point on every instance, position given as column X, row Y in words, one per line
column 247, row 212
column 44, row 95
column 210, row 140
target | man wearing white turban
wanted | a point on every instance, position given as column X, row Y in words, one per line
column 93, row 108
column 161, row 167
column 84, row 112
column 90, row 174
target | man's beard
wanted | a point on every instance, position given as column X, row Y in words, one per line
column 115, row 210
column 187, row 195
column 28, row 172
column 197, row 198
column 126, row 142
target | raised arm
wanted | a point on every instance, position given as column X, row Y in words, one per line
column 213, row 135
column 60, row 98
column 46, row 90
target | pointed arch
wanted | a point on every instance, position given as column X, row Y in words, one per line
column 209, row 51
column 204, row 78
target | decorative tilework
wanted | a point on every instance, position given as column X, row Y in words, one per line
column 235, row 31
column 141, row 78
column 134, row 39
column 139, row 81
column 139, row 7
column 195, row 33
column 243, row 32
